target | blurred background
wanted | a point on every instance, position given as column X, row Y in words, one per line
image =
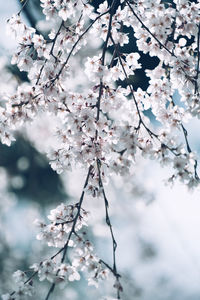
column 156, row 227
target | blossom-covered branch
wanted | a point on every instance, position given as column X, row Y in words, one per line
column 106, row 123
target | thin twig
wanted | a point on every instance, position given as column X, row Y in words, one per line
column 110, row 268
column 27, row 281
column 147, row 29
column 103, row 60
column 108, row 222
column 115, row 50
column 75, row 44
column 141, row 122
column 198, row 61
column 189, row 150
column 64, row 249
column 114, row 244
column 54, row 40
column 25, row 2
column 50, row 290
column 51, row 52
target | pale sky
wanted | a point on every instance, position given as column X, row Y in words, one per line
column 6, row 11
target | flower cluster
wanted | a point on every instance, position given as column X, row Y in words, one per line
column 24, row 287
column 54, row 272
column 121, row 129
column 105, row 126
column 64, row 219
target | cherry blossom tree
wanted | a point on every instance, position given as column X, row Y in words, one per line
column 82, row 77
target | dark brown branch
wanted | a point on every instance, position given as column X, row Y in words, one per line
column 147, row 29
column 114, row 244
column 191, row 79
column 20, row 104
column 51, row 51
column 50, row 290
column 64, row 249
column 189, row 150
column 185, row 133
column 141, row 122
column 186, row 138
column 108, row 222
column 24, row 4
column 75, row 44
column 110, row 268
column 27, row 281
column 103, row 59
column 116, row 50
column 198, row 61
column 25, row 102
column 54, row 40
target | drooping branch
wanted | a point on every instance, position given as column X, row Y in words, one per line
column 198, row 61
column 72, row 231
column 148, row 30
column 114, row 244
column 141, row 121
column 75, row 44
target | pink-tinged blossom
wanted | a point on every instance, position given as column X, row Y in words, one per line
column 101, row 126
